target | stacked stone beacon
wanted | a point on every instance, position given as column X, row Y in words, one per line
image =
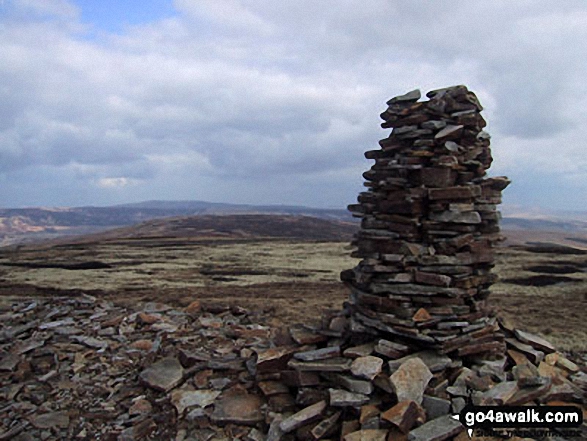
column 429, row 222
column 417, row 341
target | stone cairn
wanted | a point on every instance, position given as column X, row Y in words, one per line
column 417, row 341
column 429, row 221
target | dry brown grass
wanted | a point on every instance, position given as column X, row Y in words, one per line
column 295, row 279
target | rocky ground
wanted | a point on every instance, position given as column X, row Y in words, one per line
column 78, row 368
column 84, row 368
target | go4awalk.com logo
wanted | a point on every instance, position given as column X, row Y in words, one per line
column 507, row 421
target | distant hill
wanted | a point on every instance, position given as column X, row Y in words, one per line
column 22, row 225
column 230, row 226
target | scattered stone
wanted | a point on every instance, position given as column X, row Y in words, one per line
column 352, row 384
column 410, row 380
column 438, row 429
column 330, row 365
column 343, row 398
column 499, row 394
column 367, row 367
column 435, row 407
column 436, row 362
column 391, row 349
column 529, row 352
column 533, row 340
column 163, row 375
column 238, row 409
column 403, row 415
column 184, row 399
column 359, row 351
column 326, row 426
column 51, row 420
column 318, row 354
column 274, row 358
column 9, row 362
column 90, row 342
column 140, row 407
column 367, row 435
column 304, row 416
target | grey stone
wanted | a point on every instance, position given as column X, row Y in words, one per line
column 359, row 351
column 436, row 362
column 449, row 132
column 343, row 398
column 352, row 384
column 500, row 393
column 318, row 354
column 330, row 365
column 438, row 429
column 433, row 125
column 303, row 417
column 367, row 367
column 164, row 375
column 56, row 324
column 391, row 349
column 367, row 435
column 238, row 409
column 532, row 354
column 410, row 380
column 90, row 342
column 412, row 96
column 9, row 362
column 275, row 433
column 51, row 420
column 326, row 426
column 28, row 345
column 455, row 217
column 458, row 404
column 183, row 399
column 535, row 341
column 435, row 407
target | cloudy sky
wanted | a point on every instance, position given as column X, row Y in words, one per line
column 259, row 101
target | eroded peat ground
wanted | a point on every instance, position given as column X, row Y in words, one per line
column 542, row 290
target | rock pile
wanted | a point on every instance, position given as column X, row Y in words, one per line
column 330, row 382
column 81, row 368
column 84, row 369
column 429, row 221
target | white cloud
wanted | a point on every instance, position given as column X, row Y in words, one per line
column 116, row 182
column 265, row 95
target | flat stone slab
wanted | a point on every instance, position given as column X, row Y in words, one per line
column 367, row 367
column 403, row 415
column 238, row 409
column 352, row 384
column 183, row 399
column 411, row 96
column 410, row 380
column 50, row 420
column 535, row 341
column 274, row 358
column 500, row 393
column 9, row 362
column 367, row 435
column 435, row 407
column 318, row 354
column 343, row 398
column 304, row 416
column 331, row 365
column 437, row 430
column 163, row 375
